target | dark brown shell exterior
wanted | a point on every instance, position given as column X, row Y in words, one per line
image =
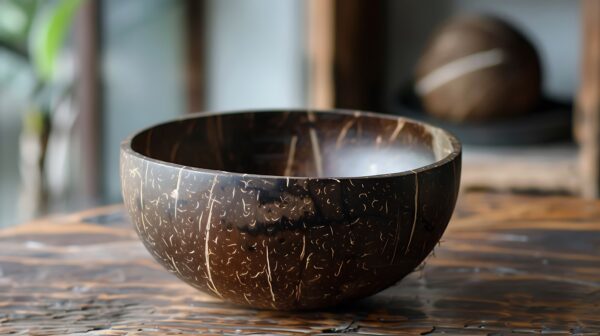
column 287, row 242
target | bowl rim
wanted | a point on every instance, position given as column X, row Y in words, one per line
column 454, row 142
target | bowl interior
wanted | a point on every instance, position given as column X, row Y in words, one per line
column 296, row 143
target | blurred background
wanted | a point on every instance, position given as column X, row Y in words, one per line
column 78, row 76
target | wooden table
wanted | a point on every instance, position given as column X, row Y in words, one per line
column 507, row 264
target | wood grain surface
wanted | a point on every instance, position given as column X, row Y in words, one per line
column 507, row 264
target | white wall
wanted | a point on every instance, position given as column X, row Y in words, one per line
column 255, row 54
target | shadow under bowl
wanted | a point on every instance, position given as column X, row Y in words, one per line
column 290, row 209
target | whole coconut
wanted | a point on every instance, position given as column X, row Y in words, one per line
column 478, row 68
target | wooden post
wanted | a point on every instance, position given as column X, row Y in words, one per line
column 359, row 54
column 588, row 104
column 89, row 97
column 320, row 39
column 346, row 53
column 194, row 64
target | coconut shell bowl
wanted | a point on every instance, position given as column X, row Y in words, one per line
column 290, row 210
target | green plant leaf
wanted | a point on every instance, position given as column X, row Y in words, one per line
column 50, row 27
